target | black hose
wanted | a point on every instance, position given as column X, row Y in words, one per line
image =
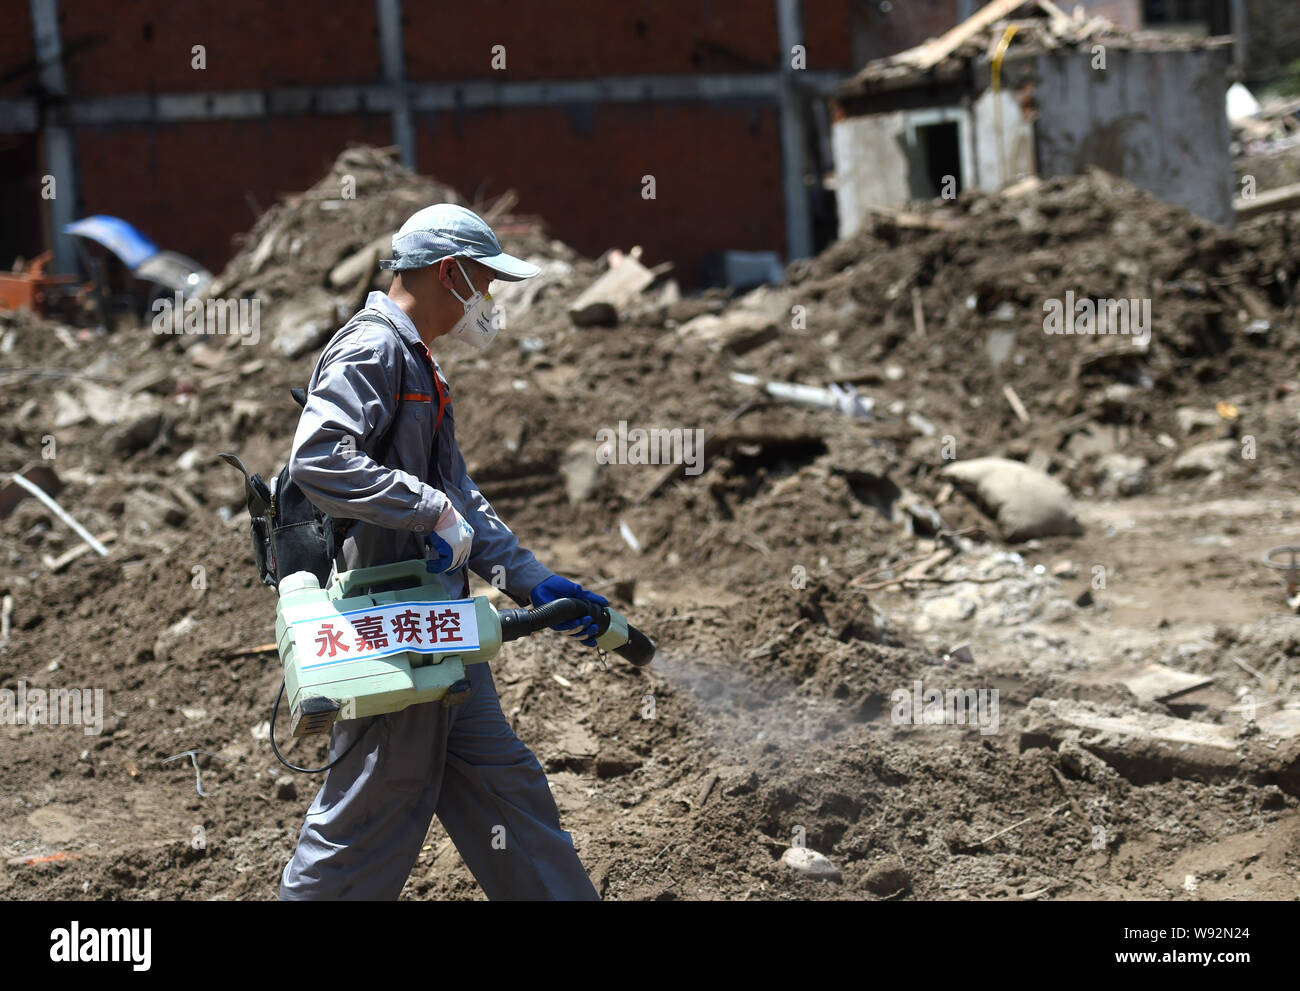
column 516, row 623
column 275, row 711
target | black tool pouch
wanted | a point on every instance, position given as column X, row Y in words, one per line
column 259, row 499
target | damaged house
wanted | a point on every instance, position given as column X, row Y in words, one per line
column 998, row 99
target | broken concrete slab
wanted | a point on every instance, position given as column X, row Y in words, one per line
column 1148, row 747
column 1158, row 683
column 67, row 411
column 1284, row 723
column 159, row 381
column 206, row 356
column 133, row 420
column 139, row 428
column 737, row 330
column 362, row 263
column 159, row 507
column 516, row 297
column 611, row 294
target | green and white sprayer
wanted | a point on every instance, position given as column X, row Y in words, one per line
column 380, row 639
column 376, row 640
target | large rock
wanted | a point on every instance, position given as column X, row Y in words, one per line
column 304, row 322
column 888, row 877
column 1025, row 502
column 1204, row 459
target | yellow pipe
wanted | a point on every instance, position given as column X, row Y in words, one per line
column 1003, row 45
column 998, row 55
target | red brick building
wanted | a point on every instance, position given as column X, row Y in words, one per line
column 569, row 103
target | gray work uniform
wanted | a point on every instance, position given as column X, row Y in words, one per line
column 364, row 829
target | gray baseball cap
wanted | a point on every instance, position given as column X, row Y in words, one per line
column 446, row 230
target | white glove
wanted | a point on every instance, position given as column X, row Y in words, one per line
column 450, row 542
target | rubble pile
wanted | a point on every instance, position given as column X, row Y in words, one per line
column 810, row 550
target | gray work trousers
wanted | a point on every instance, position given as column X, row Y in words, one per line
column 364, row 830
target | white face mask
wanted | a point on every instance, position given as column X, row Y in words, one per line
column 478, row 325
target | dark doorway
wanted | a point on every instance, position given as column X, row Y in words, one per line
column 21, row 235
column 937, row 167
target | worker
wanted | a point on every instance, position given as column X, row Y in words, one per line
column 463, row 763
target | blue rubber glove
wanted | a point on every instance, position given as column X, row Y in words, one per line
column 555, row 587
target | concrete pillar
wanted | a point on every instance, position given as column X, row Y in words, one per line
column 798, row 223
column 390, row 44
column 59, row 159
column 1239, row 25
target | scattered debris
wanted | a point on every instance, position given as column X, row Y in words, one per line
column 23, row 482
column 194, row 755
column 601, row 303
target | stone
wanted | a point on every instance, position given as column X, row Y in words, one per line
column 810, row 863
column 948, row 609
column 1117, row 475
column 888, row 877
column 170, row 638
column 1025, row 502
column 1192, row 420
column 581, row 471
column 303, row 322
column 1206, row 458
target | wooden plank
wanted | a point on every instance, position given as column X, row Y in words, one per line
column 933, row 52
column 1269, row 201
column 1017, row 406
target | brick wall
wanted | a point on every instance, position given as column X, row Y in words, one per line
column 186, row 185
column 717, row 174
column 144, row 46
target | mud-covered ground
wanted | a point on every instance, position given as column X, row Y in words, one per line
column 768, row 717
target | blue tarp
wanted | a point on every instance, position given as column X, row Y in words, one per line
column 117, row 236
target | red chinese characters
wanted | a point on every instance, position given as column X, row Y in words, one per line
column 329, row 639
column 370, row 633
column 444, row 627
column 406, row 627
